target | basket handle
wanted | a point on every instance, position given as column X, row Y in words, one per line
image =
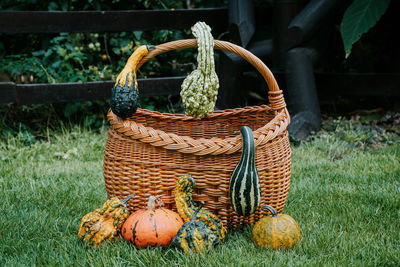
column 275, row 95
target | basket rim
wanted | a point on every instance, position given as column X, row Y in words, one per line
column 213, row 115
column 199, row 146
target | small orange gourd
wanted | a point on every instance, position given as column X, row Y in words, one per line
column 276, row 231
column 151, row 226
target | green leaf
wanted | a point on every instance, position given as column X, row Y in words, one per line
column 116, row 50
column 56, row 64
column 48, row 53
column 138, row 34
column 359, row 17
column 38, row 53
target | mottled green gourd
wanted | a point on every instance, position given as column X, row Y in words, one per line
column 195, row 236
column 104, row 223
column 186, row 207
column 244, row 184
column 199, row 90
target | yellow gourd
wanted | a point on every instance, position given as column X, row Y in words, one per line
column 276, row 231
column 104, row 223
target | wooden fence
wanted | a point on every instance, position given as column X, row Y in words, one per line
column 97, row 21
column 115, row 21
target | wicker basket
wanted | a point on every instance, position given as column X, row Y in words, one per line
column 146, row 153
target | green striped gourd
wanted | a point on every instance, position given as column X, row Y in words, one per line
column 244, row 185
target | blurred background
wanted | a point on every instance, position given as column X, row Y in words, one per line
column 57, row 71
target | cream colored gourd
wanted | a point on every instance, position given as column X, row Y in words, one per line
column 199, row 90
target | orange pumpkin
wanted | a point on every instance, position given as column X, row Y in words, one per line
column 151, row 226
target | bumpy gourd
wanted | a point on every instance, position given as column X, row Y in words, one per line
column 276, row 231
column 104, row 223
column 186, row 207
column 125, row 93
column 195, row 236
column 244, row 184
column 199, row 90
column 151, row 226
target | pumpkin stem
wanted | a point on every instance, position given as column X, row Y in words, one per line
column 196, row 211
column 151, row 205
column 125, row 200
column 271, row 209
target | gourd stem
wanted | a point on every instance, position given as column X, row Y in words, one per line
column 196, row 211
column 151, row 205
column 150, row 47
column 125, row 200
column 191, row 179
column 271, row 209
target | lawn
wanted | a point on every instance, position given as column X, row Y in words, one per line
column 345, row 196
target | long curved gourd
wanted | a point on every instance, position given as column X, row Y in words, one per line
column 125, row 93
column 244, row 185
column 278, row 231
column 104, row 223
column 199, row 90
column 186, row 207
column 195, row 236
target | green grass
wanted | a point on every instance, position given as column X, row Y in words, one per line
column 345, row 197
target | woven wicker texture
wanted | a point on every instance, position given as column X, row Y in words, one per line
column 146, row 153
